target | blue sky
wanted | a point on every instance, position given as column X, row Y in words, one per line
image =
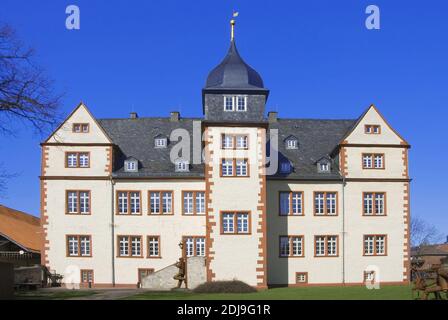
column 316, row 57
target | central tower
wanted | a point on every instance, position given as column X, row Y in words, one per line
column 234, row 91
column 234, row 100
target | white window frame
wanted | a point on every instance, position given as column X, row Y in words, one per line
column 232, row 99
column 237, row 103
column 153, row 246
column 291, row 144
column 182, row 166
column 160, row 143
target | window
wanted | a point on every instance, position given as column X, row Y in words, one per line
column 374, row 204
column 291, row 203
column 86, row 276
column 153, row 246
column 326, row 246
column 291, row 246
column 242, row 142
column 80, row 128
column 131, row 166
column 129, row 246
column 234, row 142
column 373, row 161
column 285, row 167
column 144, row 272
column 228, row 103
column 77, row 159
column 235, row 223
column 325, row 203
column 128, row 202
column 235, row 103
column 301, row 277
column 160, row 142
column 241, row 103
column 161, row 202
column 227, row 142
column 79, row 246
column 194, row 246
column 181, row 165
column 234, row 168
column 241, row 168
column 193, row 202
column 227, row 168
column 372, row 129
column 375, row 245
column 292, row 144
column 323, row 166
column 77, row 202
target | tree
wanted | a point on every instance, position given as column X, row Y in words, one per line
column 423, row 233
column 26, row 93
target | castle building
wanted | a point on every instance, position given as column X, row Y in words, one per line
column 266, row 200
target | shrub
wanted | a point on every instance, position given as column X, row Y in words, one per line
column 233, row 286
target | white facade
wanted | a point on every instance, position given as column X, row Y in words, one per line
column 253, row 257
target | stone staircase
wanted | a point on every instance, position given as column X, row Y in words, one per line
column 163, row 279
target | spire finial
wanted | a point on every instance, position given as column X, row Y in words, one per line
column 232, row 25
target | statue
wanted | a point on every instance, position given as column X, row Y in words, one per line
column 180, row 276
column 181, row 265
column 437, row 273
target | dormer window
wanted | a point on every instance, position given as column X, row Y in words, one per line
column 291, row 143
column 235, row 103
column 131, row 165
column 324, row 165
column 160, row 142
column 182, row 165
column 285, row 167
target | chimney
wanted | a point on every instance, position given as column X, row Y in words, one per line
column 272, row 116
column 175, row 115
column 133, row 115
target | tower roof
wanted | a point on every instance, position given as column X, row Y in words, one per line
column 234, row 73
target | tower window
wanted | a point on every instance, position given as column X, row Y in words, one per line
column 241, row 103
column 228, row 103
column 235, row 103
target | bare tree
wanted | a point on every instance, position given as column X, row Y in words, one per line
column 26, row 93
column 422, row 233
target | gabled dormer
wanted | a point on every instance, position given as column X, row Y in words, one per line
column 324, row 164
column 131, row 164
column 291, row 142
column 160, row 141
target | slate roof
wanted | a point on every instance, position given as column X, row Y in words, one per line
column 233, row 73
column 316, row 138
column 135, row 138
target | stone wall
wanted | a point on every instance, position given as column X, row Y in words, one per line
column 196, row 272
column 163, row 279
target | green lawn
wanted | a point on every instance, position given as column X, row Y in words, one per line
column 308, row 293
column 61, row 295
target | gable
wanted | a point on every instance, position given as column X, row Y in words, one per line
column 81, row 115
column 372, row 117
